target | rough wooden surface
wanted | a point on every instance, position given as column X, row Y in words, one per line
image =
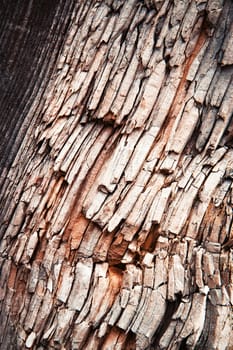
column 117, row 211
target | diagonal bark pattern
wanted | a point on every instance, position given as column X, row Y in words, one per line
column 117, row 210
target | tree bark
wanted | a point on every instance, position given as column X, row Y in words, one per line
column 117, row 169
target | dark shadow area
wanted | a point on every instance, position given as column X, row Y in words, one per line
column 31, row 35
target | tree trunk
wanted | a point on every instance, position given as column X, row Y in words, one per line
column 117, row 169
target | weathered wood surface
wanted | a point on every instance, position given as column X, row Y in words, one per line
column 117, row 211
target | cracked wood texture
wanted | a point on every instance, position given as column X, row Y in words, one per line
column 116, row 175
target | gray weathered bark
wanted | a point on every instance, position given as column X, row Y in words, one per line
column 116, row 186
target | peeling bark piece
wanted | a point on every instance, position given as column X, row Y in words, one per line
column 92, row 207
column 142, row 205
column 108, row 208
column 185, row 128
column 99, row 57
column 154, row 313
column 102, row 300
column 149, row 97
column 208, row 266
column 148, row 46
column 166, row 97
column 30, row 340
column 181, row 213
column 124, row 297
column 116, row 81
column 64, row 319
column 221, row 123
column 169, row 164
column 33, row 311
column 101, row 83
column 205, row 196
column 228, row 49
column 179, row 10
column 196, row 62
column 16, row 221
column 79, row 227
column 44, row 312
column 140, row 153
column 112, row 171
column 189, row 21
column 115, row 312
column 86, row 159
column 33, row 277
column 219, row 86
column 221, row 192
column 203, row 85
column 198, row 268
column 31, row 246
column 79, row 334
column 80, row 135
column 207, row 123
column 175, row 277
column 210, row 185
column 67, row 278
column 68, row 145
column 103, row 297
column 126, row 14
column 80, row 288
column 157, row 208
column 141, row 310
column 89, row 241
column 170, row 337
column 219, row 335
column 123, row 211
column 50, row 251
column 219, row 296
column 131, row 308
column 130, row 100
column 161, row 271
column 227, row 103
column 124, row 89
column 213, row 247
column 94, row 38
column 184, row 37
column 194, row 325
